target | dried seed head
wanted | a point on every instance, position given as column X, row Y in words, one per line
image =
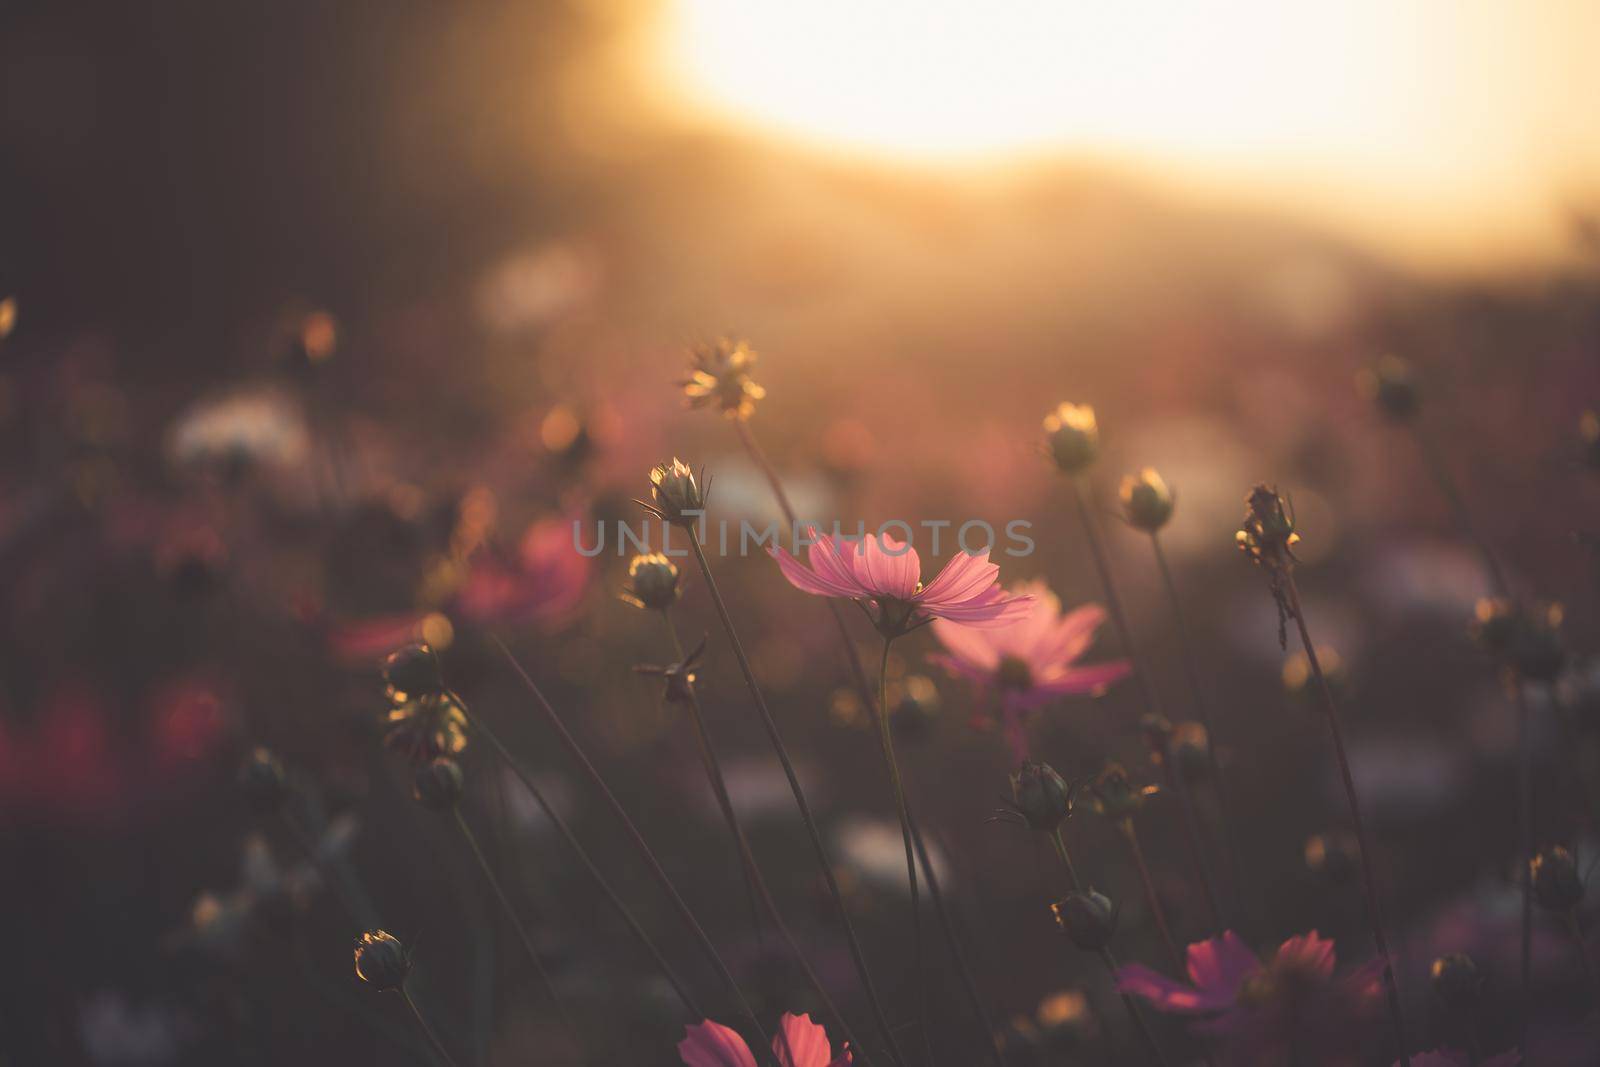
column 1073, row 437
column 652, row 582
column 719, row 377
column 1267, row 534
column 1087, row 917
column 382, row 960
column 439, row 783
column 1146, row 501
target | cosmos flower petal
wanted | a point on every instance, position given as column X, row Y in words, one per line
column 962, row 577
column 1221, row 964
column 710, row 1044
column 973, row 648
column 889, row 567
column 994, row 608
column 1074, row 633
column 959, row 668
column 830, row 560
column 1075, row 680
column 1311, row 951
column 808, row 580
column 805, row 1039
column 1164, row 993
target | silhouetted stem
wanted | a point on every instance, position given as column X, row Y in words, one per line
column 1576, row 930
column 1152, row 900
column 575, row 750
column 1202, row 707
column 858, row 671
column 1368, row 880
column 1108, row 959
column 775, row 736
column 1525, row 832
column 578, row 850
column 562, row 1014
column 755, row 882
column 1152, row 701
column 427, row 1031
column 886, row 739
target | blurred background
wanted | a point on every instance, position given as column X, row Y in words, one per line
column 317, row 311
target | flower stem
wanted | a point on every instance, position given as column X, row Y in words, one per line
column 1576, row 930
column 1369, row 882
column 1108, row 959
column 575, row 750
column 1157, row 912
column 1202, row 707
column 427, row 1031
column 886, row 740
column 1152, row 701
column 775, row 736
column 755, row 883
column 562, row 1013
column 588, row 863
column 858, row 671
column 1525, row 833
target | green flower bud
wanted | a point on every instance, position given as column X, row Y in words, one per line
column 1041, row 796
column 652, row 582
column 263, row 782
column 675, row 494
column 1146, row 501
column 438, row 784
column 1556, row 885
column 382, row 960
column 1073, row 437
column 1088, row 918
column 412, row 672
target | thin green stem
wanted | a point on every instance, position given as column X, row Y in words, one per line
column 1202, row 707
column 1368, row 879
column 587, row 861
column 858, row 672
column 1084, row 496
column 755, row 882
column 1110, row 961
column 886, row 739
column 427, row 1031
column 596, row 779
column 1153, row 901
column 775, row 736
column 562, row 1013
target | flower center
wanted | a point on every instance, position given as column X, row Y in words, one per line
column 894, row 616
column 1014, row 673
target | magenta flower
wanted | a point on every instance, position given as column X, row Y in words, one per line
column 710, row 1044
column 542, row 585
column 1030, row 660
column 1263, row 1013
column 884, row 574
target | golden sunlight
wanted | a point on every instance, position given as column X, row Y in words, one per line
column 1432, row 105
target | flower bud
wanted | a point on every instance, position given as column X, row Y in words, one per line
column 1041, row 796
column 719, row 377
column 1456, row 981
column 1087, row 917
column 1073, row 437
column 1556, row 885
column 1146, row 501
column 382, row 960
column 1392, row 387
column 652, row 582
column 438, row 784
column 412, row 671
column 1114, row 796
column 675, row 493
column 263, row 782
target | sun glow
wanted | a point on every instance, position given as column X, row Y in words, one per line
column 1458, row 103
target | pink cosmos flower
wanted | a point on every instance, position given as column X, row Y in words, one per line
column 1263, row 1013
column 710, row 1044
column 542, row 585
column 885, row 574
column 1030, row 660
